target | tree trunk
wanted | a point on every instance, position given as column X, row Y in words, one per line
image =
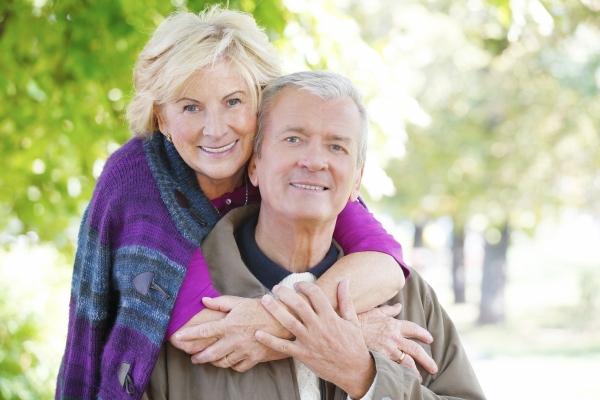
column 491, row 309
column 418, row 236
column 458, row 264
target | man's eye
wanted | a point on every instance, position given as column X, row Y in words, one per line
column 233, row 102
column 190, row 108
column 292, row 139
column 336, row 147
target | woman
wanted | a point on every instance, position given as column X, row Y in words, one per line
column 197, row 83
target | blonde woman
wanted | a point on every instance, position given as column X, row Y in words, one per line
column 139, row 274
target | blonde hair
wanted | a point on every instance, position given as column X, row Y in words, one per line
column 183, row 44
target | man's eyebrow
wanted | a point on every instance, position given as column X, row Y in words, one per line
column 294, row 128
column 338, row 138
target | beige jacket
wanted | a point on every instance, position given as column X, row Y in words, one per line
column 176, row 378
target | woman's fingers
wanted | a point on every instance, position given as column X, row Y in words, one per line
column 418, row 354
column 409, row 329
column 214, row 352
column 223, row 303
column 410, row 363
column 390, row 311
column 203, row 331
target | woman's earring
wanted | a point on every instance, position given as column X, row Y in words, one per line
column 168, row 138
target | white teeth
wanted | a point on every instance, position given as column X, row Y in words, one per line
column 309, row 187
column 220, row 149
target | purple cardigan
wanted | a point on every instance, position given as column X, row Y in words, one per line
column 136, row 245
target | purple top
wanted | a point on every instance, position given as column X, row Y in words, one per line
column 356, row 230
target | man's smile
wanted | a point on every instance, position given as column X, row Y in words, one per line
column 308, row 187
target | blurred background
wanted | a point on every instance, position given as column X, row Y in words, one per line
column 484, row 162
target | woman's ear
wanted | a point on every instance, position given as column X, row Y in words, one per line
column 252, row 175
column 159, row 118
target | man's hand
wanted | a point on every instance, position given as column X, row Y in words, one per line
column 331, row 346
column 387, row 335
column 234, row 345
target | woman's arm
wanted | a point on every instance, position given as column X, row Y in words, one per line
column 375, row 277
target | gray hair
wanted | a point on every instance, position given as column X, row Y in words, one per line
column 323, row 84
column 185, row 43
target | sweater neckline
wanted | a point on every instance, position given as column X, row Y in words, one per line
column 171, row 173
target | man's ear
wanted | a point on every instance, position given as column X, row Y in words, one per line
column 161, row 122
column 252, row 175
column 356, row 186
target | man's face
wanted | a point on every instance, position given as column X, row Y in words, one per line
column 307, row 169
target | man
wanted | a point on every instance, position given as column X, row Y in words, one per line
column 309, row 157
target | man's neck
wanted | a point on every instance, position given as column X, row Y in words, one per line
column 297, row 247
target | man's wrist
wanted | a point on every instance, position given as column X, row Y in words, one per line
column 361, row 381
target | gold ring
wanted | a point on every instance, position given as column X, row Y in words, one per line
column 228, row 362
column 401, row 357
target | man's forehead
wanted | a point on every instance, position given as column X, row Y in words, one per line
column 298, row 111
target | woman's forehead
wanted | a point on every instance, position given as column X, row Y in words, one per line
column 218, row 79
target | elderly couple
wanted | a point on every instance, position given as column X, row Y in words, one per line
column 254, row 255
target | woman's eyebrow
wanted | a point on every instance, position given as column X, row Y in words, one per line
column 188, row 99
column 232, row 93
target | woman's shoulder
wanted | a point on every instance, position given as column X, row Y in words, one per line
column 125, row 180
column 126, row 168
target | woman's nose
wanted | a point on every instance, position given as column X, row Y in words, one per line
column 214, row 125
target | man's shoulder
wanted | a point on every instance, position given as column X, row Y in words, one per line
column 236, row 218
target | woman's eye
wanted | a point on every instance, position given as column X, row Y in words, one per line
column 336, row 147
column 233, row 102
column 190, row 108
column 292, row 139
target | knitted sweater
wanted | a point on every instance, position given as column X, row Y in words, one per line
column 136, row 243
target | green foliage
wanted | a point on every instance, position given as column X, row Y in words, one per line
column 512, row 93
column 24, row 374
column 66, row 78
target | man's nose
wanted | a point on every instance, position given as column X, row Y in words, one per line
column 214, row 125
column 313, row 158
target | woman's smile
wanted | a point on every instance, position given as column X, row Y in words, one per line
column 219, row 150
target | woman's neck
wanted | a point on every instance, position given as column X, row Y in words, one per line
column 214, row 188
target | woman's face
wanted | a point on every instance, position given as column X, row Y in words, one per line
column 212, row 125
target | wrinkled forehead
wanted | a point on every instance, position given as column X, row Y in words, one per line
column 299, row 110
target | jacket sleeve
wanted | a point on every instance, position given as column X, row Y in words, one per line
column 357, row 230
column 455, row 378
column 158, row 386
column 195, row 286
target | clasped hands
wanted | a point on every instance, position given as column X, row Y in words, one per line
column 243, row 332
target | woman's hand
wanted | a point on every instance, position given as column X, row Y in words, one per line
column 387, row 335
column 193, row 344
column 232, row 338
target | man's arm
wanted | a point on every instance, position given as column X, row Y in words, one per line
column 455, row 378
